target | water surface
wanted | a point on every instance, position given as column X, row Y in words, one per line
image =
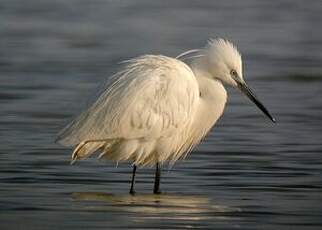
column 247, row 174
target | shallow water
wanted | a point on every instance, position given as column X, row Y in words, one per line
column 247, row 174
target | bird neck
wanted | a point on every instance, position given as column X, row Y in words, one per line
column 211, row 89
column 213, row 98
column 212, row 92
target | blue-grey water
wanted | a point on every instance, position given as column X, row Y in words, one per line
column 247, row 174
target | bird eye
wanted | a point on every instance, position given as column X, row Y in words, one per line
column 233, row 73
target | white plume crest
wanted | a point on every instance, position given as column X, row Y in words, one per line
column 222, row 51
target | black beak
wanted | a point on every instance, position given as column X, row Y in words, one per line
column 246, row 90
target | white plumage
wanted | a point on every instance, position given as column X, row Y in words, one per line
column 158, row 108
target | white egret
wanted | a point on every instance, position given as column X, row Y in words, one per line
column 158, row 108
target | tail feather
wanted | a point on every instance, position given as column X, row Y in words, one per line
column 83, row 151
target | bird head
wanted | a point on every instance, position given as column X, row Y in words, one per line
column 224, row 63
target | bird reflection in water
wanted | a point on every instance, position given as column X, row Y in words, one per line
column 150, row 206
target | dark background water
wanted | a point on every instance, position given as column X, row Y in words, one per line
column 247, row 174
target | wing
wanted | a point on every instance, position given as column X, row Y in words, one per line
column 152, row 97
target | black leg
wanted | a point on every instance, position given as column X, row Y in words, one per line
column 156, row 189
column 133, row 179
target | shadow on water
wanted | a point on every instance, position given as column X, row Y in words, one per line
column 170, row 206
